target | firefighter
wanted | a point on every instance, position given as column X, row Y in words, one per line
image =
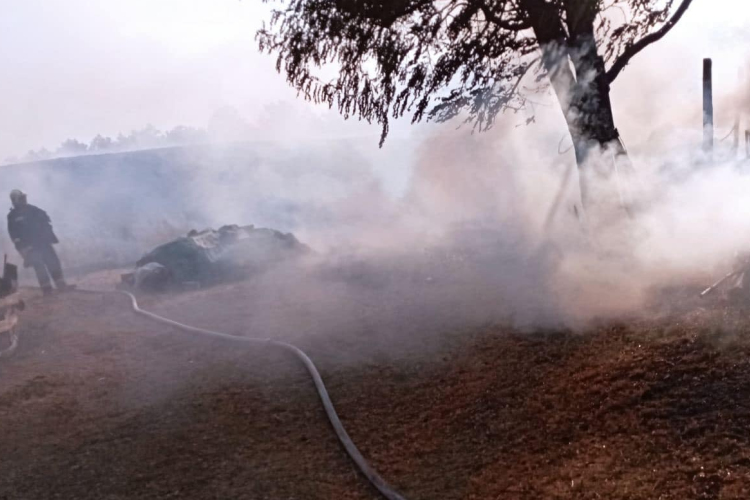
column 30, row 229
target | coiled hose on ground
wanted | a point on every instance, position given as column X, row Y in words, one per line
column 382, row 486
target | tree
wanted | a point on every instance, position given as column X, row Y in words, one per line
column 146, row 138
column 439, row 59
column 100, row 143
column 185, row 135
column 227, row 124
column 71, row 147
column 40, row 155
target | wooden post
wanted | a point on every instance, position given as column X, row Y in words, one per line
column 737, row 117
column 708, row 107
column 736, row 138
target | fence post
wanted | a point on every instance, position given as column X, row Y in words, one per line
column 708, row 107
column 738, row 117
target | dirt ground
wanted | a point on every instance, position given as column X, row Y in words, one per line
column 98, row 403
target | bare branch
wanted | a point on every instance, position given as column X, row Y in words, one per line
column 644, row 42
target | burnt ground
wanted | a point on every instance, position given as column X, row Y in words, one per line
column 98, row 403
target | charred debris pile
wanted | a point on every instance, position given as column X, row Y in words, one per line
column 202, row 258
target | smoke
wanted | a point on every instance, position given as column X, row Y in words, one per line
column 442, row 229
column 488, row 227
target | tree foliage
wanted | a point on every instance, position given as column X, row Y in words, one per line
column 437, row 59
column 145, row 138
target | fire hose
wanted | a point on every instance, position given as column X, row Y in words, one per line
column 372, row 476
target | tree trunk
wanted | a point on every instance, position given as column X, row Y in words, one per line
column 583, row 95
column 588, row 114
column 592, row 121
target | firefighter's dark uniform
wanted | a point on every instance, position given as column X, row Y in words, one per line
column 30, row 229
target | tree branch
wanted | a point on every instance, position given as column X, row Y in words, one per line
column 519, row 25
column 644, row 42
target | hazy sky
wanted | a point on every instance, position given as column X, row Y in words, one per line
column 75, row 68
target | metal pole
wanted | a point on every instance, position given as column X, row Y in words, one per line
column 708, row 107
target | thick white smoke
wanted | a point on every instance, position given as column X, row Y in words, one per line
column 471, row 227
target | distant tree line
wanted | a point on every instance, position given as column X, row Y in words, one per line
column 148, row 137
